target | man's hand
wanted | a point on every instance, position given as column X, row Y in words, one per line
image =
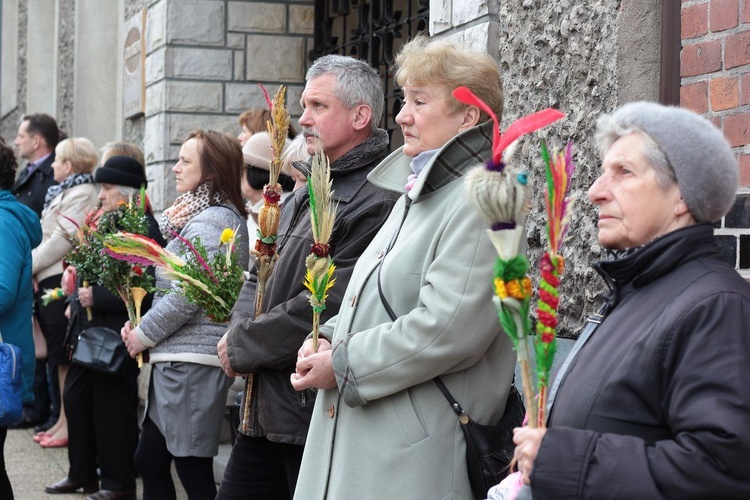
column 221, row 348
column 314, row 369
column 132, row 343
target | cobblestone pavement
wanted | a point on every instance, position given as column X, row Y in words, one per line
column 31, row 467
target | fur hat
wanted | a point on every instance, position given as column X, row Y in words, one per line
column 706, row 170
column 121, row 171
column 257, row 152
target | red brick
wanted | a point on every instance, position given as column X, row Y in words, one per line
column 745, row 85
column 737, row 50
column 695, row 97
column 737, row 129
column 694, row 20
column 725, row 93
column 744, row 170
column 716, row 120
column 746, row 11
column 723, row 14
column 700, row 58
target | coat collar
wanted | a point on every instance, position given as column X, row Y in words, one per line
column 353, row 166
column 453, row 160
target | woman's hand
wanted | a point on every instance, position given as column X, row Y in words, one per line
column 132, row 343
column 314, row 369
column 85, row 296
column 527, row 446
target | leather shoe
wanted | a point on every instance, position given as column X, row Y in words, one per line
column 24, row 423
column 67, row 485
column 112, row 495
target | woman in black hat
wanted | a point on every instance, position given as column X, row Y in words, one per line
column 102, row 415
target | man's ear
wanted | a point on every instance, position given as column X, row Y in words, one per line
column 37, row 141
column 471, row 118
column 362, row 116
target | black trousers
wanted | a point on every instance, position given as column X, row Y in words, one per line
column 102, row 413
column 261, row 470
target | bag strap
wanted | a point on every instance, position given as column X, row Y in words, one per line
column 463, row 418
column 592, row 323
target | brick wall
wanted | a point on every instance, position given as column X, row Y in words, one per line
column 715, row 71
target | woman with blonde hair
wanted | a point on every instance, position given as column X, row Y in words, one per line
column 418, row 306
column 65, row 207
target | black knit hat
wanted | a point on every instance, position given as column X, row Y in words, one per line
column 121, row 171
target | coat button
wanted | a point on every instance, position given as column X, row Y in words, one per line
column 381, row 254
column 331, row 411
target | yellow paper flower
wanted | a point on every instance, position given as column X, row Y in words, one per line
column 227, row 235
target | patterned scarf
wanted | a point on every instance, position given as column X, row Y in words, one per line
column 69, row 182
column 184, row 208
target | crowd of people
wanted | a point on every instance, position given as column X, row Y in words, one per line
column 651, row 403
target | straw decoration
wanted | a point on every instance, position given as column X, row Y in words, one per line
column 558, row 171
column 268, row 217
column 499, row 192
column 319, row 277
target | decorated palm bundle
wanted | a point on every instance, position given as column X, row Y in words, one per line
column 320, row 267
column 268, row 217
column 559, row 171
column 213, row 283
column 499, row 192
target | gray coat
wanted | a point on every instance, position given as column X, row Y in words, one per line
column 387, row 431
column 174, row 329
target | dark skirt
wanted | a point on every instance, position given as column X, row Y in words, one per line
column 53, row 322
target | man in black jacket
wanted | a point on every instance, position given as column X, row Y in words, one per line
column 36, row 140
column 343, row 103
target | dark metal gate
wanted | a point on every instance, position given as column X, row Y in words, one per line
column 373, row 31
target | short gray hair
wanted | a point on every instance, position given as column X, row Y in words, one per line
column 356, row 83
column 608, row 131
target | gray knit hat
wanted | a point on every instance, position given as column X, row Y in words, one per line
column 706, row 170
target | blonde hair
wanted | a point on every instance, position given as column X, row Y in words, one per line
column 123, row 149
column 80, row 152
column 423, row 61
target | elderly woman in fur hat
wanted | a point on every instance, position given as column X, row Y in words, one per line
column 654, row 401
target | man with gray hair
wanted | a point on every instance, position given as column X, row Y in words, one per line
column 343, row 104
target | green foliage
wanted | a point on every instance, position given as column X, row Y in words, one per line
column 221, row 274
column 96, row 267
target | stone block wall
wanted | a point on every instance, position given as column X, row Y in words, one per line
column 715, row 71
column 204, row 60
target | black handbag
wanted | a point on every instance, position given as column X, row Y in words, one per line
column 489, row 448
column 102, row 349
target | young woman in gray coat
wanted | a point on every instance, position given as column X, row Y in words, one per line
column 188, row 389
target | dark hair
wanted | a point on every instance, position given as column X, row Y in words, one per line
column 258, row 177
column 221, row 162
column 8, row 166
column 44, row 125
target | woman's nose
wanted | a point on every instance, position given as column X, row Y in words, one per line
column 597, row 191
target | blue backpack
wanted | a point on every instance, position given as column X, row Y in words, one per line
column 11, row 406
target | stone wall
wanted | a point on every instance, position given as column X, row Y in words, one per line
column 568, row 54
column 204, row 59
